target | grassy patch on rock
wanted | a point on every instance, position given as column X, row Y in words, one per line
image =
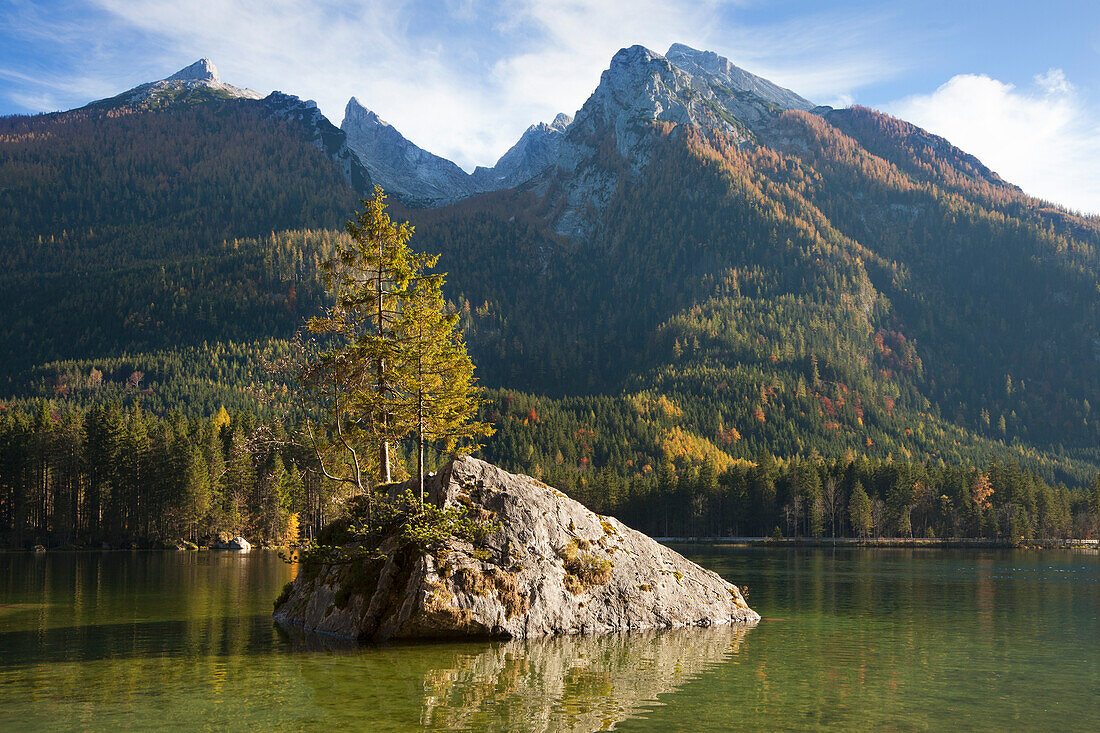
column 583, row 569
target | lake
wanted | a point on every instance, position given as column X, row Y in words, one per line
column 896, row 639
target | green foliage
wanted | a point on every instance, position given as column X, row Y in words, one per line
column 108, row 474
column 428, row 527
column 434, row 375
column 132, row 219
column 415, row 524
column 839, row 298
column 385, row 361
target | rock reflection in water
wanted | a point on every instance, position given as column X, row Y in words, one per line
column 579, row 683
column 560, row 683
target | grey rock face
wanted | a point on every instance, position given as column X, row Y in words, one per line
column 200, row 77
column 398, row 165
column 201, row 70
column 553, row 567
column 421, row 178
column 323, row 134
column 717, row 71
column 536, row 151
column 687, row 87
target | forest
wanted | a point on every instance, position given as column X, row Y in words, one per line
column 748, row 335
column 121, row 477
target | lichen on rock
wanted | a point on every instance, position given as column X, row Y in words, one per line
column 550, row 566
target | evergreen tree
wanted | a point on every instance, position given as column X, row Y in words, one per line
column 859, row 508
column 434, row 373
column 349, row 377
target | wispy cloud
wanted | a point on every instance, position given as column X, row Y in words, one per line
column 1042, row 138
column 462, row 78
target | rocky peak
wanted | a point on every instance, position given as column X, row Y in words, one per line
column 201, row 70
column 685, row 87
column 642, row 83
column 198, row 82
column 639, row 87
column 642, row 86
column 356, row 113
column 713, row 68
column 398, row 165
column 562, row 121
column 536, row 150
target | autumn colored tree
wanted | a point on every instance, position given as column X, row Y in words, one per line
column 433, row 374
column 347, row 377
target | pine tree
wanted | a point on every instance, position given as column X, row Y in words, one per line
column 859, row 507
column 434, row 373
column 197, row 494
column 349, row 377
column 1094, row 503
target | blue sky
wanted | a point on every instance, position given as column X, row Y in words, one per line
column 1015, row 83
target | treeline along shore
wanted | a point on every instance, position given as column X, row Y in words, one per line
column 107, row 474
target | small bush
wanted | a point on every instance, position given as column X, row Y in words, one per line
column 513, row 601
column 421, row 525
column 583, row 569
column 472, row 581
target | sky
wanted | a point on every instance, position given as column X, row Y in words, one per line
column 1015, row 83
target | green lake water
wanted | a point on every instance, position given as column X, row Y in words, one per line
column 851, row 639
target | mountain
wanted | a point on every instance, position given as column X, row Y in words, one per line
column 779, row 276
column 419, row 178
column 641, row 88
column 196, row 82
column 700, row 265
column 398, row 165
column 536, row 150
column 122, row 223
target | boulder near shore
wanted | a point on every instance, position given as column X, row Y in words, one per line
column 551, row 567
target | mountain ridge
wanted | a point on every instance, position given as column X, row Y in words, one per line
column 720, row 272
column 198, row 81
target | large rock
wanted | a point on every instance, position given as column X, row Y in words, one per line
column 553, row 567
column 239, row 544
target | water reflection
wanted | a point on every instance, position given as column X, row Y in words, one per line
column 852, row 640
column 570, row 683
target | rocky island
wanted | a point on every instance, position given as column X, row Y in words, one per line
column 550, row 566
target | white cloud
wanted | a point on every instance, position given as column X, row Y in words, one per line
column 1054, row 82
column 1042, row 139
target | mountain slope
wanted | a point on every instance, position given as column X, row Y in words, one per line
column 771, row 273
column 700, row 265
column 92, row 197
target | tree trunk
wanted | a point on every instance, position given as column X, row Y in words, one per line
column 420, row 441
column 384, row 450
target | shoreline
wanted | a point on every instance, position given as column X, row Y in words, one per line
column 887, row 542
column 940, row 543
